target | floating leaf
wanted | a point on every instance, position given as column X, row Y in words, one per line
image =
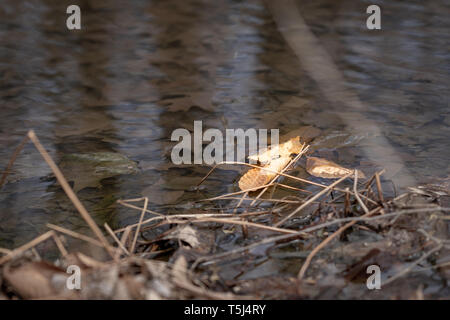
column 265, row 156
column 327, row 169
column 258, row 177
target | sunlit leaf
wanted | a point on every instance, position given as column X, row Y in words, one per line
column 323, row 168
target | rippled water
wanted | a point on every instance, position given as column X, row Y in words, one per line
column 140, row 69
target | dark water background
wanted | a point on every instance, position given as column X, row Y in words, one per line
column 140, row 69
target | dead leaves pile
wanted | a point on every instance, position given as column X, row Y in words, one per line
column 132, row 278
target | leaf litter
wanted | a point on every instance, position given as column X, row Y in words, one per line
column 326, row 239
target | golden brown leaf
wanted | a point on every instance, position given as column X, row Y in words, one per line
column 258, row 177
column 285, row 149
column 323, row 168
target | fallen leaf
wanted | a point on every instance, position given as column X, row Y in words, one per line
column 258, row 177
column 328, row 169
column 266, row 155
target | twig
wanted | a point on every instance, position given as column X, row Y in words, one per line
column 136, row 234
column 308, row 260
column 319, row 194
column 68, row 190
column 355, row 191
column 75, row 235
column 119, row 243
column 11, row 161
column 380, row 190
column 302, row 151
column 18, row 251
column 60, row 245
column 286, row 237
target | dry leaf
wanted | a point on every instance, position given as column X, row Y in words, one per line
column 258, row 177
column 274, row 159
column 328, row 169
column 265, row 156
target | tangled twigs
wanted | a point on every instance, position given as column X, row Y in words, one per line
column 305, row 265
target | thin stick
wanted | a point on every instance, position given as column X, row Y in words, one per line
column 286, row 237
column 319, row 194
column 11, row 161
column 311, row 255
column 227, row 195
column 380, row 190
column 113, row 235
column 68, row 190
column 355, row 191
column 245, row 223
column 261, row 168
column 136, row 234
column 240, row 202
column 125, row 236
column 302, row 151
column 75, row 235
column 263, row 200
column 18, row 251
column 60, row 245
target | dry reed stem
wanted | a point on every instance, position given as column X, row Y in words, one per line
column 380, row 190
column 125, row 235
column 302, row 151
column 12, row 160
column 68, row 190
column 355, row 191
column 60, row 245
column 141, row 218
column 319, row 194
column 286, row 237
column 311, row 255
column 75, row 235
column 119, row 243
column 18, row 251
column 244, row 223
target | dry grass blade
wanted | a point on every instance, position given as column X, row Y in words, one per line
column 68, row 190
column 318, row 195
column 11, row 161
column 18, row 251
column 355, row 192
column 119, row 243
column 302, row 151
column 141, row 218
column 308, row 260
column 75, row 235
